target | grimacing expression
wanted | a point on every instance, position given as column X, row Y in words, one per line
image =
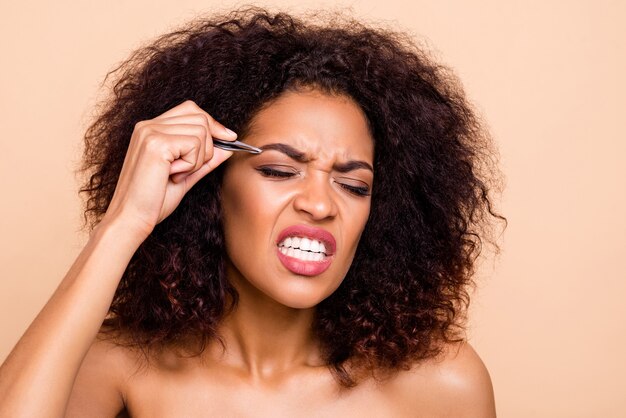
column 293, row 215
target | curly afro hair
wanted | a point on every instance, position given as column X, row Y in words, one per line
column 406, row 293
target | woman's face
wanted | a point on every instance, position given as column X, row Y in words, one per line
column 293, row 215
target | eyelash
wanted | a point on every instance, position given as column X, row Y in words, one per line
column 270, row 172
column 356, row 190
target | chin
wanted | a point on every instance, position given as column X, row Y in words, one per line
column 286, row 289
column 300, row 303
column 300, row 297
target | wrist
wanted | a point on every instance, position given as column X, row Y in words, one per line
column 120, row 231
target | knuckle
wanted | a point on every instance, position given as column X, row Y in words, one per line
column 208, row 119
column 201, row 120
column 201, row 131
column 139, row 125
column 197, row 141
column 190, row 104
column 153, row 143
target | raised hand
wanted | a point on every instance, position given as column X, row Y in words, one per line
column 167, row 155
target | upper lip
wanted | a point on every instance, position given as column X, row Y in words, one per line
column 309, row 232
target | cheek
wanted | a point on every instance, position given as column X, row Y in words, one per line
column 360, row 229
column 352, row 229
column 250, row 210
column 356, row 224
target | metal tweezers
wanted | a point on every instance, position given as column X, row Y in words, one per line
column 235, row 146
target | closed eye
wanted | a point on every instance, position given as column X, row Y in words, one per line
column 282, row 172
column 357, row 190
column 285, row 172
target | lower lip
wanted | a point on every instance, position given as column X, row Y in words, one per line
column 304, row 268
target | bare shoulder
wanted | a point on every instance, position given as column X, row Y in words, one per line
column 456, row 383
column 99, row 386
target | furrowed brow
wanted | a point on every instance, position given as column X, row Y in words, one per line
column 352, row 165
column 301, row 157
column 288, row 150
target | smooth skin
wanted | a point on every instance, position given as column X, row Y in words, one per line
column 271, row 365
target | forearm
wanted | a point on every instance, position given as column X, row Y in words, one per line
column 37, row 377
column 166, row 156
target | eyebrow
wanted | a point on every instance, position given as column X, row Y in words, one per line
column 301, row 157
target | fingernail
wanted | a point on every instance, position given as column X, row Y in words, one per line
column 230, row 132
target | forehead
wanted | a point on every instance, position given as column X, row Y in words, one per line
column 316, row 123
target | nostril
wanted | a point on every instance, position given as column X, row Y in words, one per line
column 316, row 198
column 317, row 208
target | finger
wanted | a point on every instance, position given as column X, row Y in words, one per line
column 148, row 134
column 198, row 131
column 217, row 130
column 185, row 125
column 191, row 108
column 219, row 156
column 186, row 119
column 181, row 152
column 192, row 178
column 201, row 131
column 214, row 127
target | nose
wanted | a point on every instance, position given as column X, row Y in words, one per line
column 315, row 198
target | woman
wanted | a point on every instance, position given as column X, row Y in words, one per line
column 325, row 276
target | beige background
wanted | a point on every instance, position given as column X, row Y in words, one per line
column 547, row 318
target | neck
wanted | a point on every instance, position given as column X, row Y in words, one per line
column 265, row 337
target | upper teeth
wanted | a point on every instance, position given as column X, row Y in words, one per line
column 304, row 244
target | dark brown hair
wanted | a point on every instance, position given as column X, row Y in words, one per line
column 406, row 291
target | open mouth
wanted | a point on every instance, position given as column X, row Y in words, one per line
column 306, row 250
column 303, row 248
